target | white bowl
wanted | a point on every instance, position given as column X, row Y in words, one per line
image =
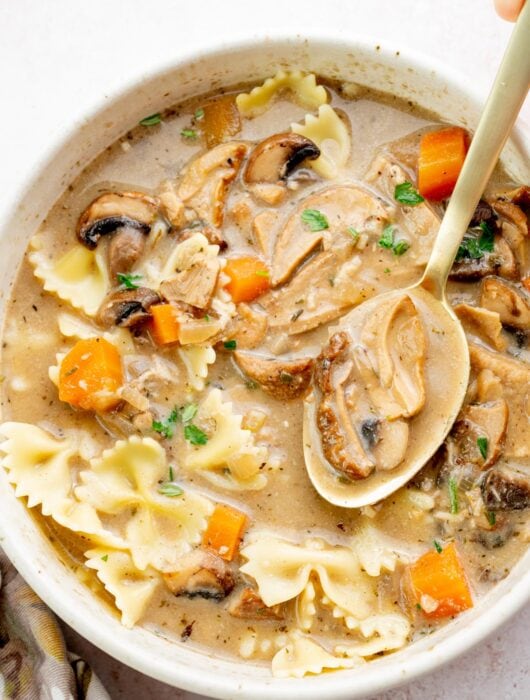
column 409, row 76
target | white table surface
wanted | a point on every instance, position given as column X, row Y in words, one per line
column 58, row 56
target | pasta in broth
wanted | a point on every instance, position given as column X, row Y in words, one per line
column 177, row 322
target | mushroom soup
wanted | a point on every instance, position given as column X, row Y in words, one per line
column 172, row 313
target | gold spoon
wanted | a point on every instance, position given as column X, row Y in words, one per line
column 447, row 354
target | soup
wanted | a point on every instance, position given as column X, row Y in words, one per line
column 173, row 313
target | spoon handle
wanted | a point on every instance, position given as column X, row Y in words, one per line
column 500, row 112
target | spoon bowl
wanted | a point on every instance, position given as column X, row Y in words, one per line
column 446, row 379
column 445, row 357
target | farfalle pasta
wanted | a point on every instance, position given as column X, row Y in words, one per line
column 123, row 483
column 303, row 88
column 331, row 135
column 79, row 277
column 166, row 341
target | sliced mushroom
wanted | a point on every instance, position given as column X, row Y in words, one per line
column 505, row 488
column 421, row 222
column 127, row 307
column 479, row 421
column 201, row 573
column 248, row 328
column 514, row 229
column 507, row 300
column 395, row 336
column 195, row 285
column 283, row 379
column 340, row 207
column 206, row 181
column 482, row 323
column 501, row 261
column 514, row 377
column 340, row 442
column 125, row 249
column 313, row 296
column 114, row 210
column 484, row 213
column 274, row 159
column 248, row 605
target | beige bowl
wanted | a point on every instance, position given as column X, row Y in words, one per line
column 408, row 76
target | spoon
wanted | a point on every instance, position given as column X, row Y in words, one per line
column 447, row 355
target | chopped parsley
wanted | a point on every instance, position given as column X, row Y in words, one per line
column 199, row 114
column 151, row 120
column 230, row 344
column 262, row 273
column 189, row 134
column 453, row 495
column 353, row 233
column 188, row 413
column 105, row 557
column 406, row 194
column 166, row 427
column 387, row 241
column 482, row 444
column 169, row 489
column 195, row 435
column 492, row 518
column 437, row 546
column 477, row 241
column 400, row 247
column 128, row 281
column 171, row 475
column 251, row 384
column 314, row 220
column 184, row 414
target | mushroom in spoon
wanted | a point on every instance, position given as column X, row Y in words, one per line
column 392, row 379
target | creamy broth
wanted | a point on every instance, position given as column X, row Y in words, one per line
column 278, row 498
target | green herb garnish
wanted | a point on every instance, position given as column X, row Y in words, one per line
column 314, row 220
column 286, row 377
column 199, row 114
column 353, row 232
column 128, row 281
column 151, row 120
column 482, row 444
column 188, row 413
column 230, row 344
column 105, row 557
column 491, row 516
column 171, row 476
column 195, row 435
column 387, row 241
column 418, row 606
column 189, row 134
column 405, row 193
column 182, row 414
column 400, row 247
column 251, row 384
column 437, row 546
column 473, row 247
column 453, row 495
column 262, row 273
column 166, row 427
column 169, row 489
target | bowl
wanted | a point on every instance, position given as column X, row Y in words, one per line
column 409, row 76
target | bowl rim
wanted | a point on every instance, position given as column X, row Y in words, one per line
column 197, row 679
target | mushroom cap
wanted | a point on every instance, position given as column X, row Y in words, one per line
column 273, row 159
column 127, row 307
column 113, row 210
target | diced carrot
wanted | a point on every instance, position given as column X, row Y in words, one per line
column 91, row 374
column 526, row 283
column 224, row 531
column 164, row 325
column 220, row 120
column 440, row 577
column 440, row 161
column 249, row 277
